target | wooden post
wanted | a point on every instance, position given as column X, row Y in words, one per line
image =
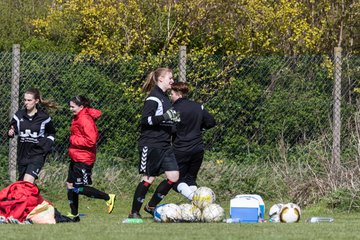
column 336, row 114
column 182, row 64
column 15, row 83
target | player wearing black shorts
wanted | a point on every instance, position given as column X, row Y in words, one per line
column 156, row 155
column 187, row 143
column 82, row 152
column 36, row 135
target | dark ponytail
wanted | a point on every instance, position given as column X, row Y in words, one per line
column 81, row 100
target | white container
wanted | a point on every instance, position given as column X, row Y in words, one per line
column 261, row 203
column 245, row 208
column 320, row 219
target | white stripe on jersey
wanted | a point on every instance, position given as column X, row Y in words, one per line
column 42, row 127
column 17, row 122
column 51, row 138
column 159, row 110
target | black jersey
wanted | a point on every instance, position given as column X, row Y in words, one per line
column 194, row 119
column 155, row 131
column 36, row 134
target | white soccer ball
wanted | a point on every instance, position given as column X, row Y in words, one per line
column 190, row 213
column 274, row 212
column 167, row 213
column 158, row 213
column 213, row 213
column 290, row 213
column 203, row 196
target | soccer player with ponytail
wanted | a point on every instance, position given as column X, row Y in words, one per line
column 36, row 134
column 156, row 154
column 82, row 153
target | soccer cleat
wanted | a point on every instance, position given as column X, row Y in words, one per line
column 75, row 218
column 111, row 202
column 149, row 209
column 134, row 215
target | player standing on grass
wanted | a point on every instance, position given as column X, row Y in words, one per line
column 36, row 135
column 156, row 155
column 188, row 144
column 82, row 153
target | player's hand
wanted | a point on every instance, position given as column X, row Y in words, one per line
column 172, row 115
column 11, row 132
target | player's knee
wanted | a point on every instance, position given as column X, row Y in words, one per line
column 148, row 179
column 69, row 185
column 173, row 179
column 173, row 176
column 176, row 178
column 29, row 178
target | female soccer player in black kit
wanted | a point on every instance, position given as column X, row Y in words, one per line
column 156, row 155
column 188, row 144
column 36, row 135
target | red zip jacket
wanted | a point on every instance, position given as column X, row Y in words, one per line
column 84, row 134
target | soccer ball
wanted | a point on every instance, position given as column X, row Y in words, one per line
column 190, row 213
column 167, row 213
column 213, row 213
column 290, row 213
column 158, row 213
column 203, row 196
column 274, row 212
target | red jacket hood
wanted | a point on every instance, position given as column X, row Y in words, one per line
column 92, row 112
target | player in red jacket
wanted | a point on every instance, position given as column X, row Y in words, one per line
column 82, row 153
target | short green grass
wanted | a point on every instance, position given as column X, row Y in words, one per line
column 97, row 224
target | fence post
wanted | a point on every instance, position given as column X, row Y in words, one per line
column 336, row 114
column 182, row 64
column 15, row 83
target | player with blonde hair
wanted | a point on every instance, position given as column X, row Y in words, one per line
column 156, row 154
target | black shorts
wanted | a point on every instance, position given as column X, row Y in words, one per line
column 155, row 161
column 189, row 165
column 79, row 174
column 31, row 166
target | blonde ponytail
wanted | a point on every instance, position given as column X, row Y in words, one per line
column 153, row 78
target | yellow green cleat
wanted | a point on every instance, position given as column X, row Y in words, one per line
column 111, row 203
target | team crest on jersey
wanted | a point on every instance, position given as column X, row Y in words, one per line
column 28, row 133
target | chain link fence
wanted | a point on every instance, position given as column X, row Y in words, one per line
column 265, row 106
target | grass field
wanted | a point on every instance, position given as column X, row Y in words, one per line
column 97, row 224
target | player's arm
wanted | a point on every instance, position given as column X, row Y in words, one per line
column 208, row 119
column 88, row 135
column 149, row 114
column 50, row 130
column 47, row 141
column 13, row 129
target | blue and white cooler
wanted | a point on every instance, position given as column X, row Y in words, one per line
column 247, row 208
